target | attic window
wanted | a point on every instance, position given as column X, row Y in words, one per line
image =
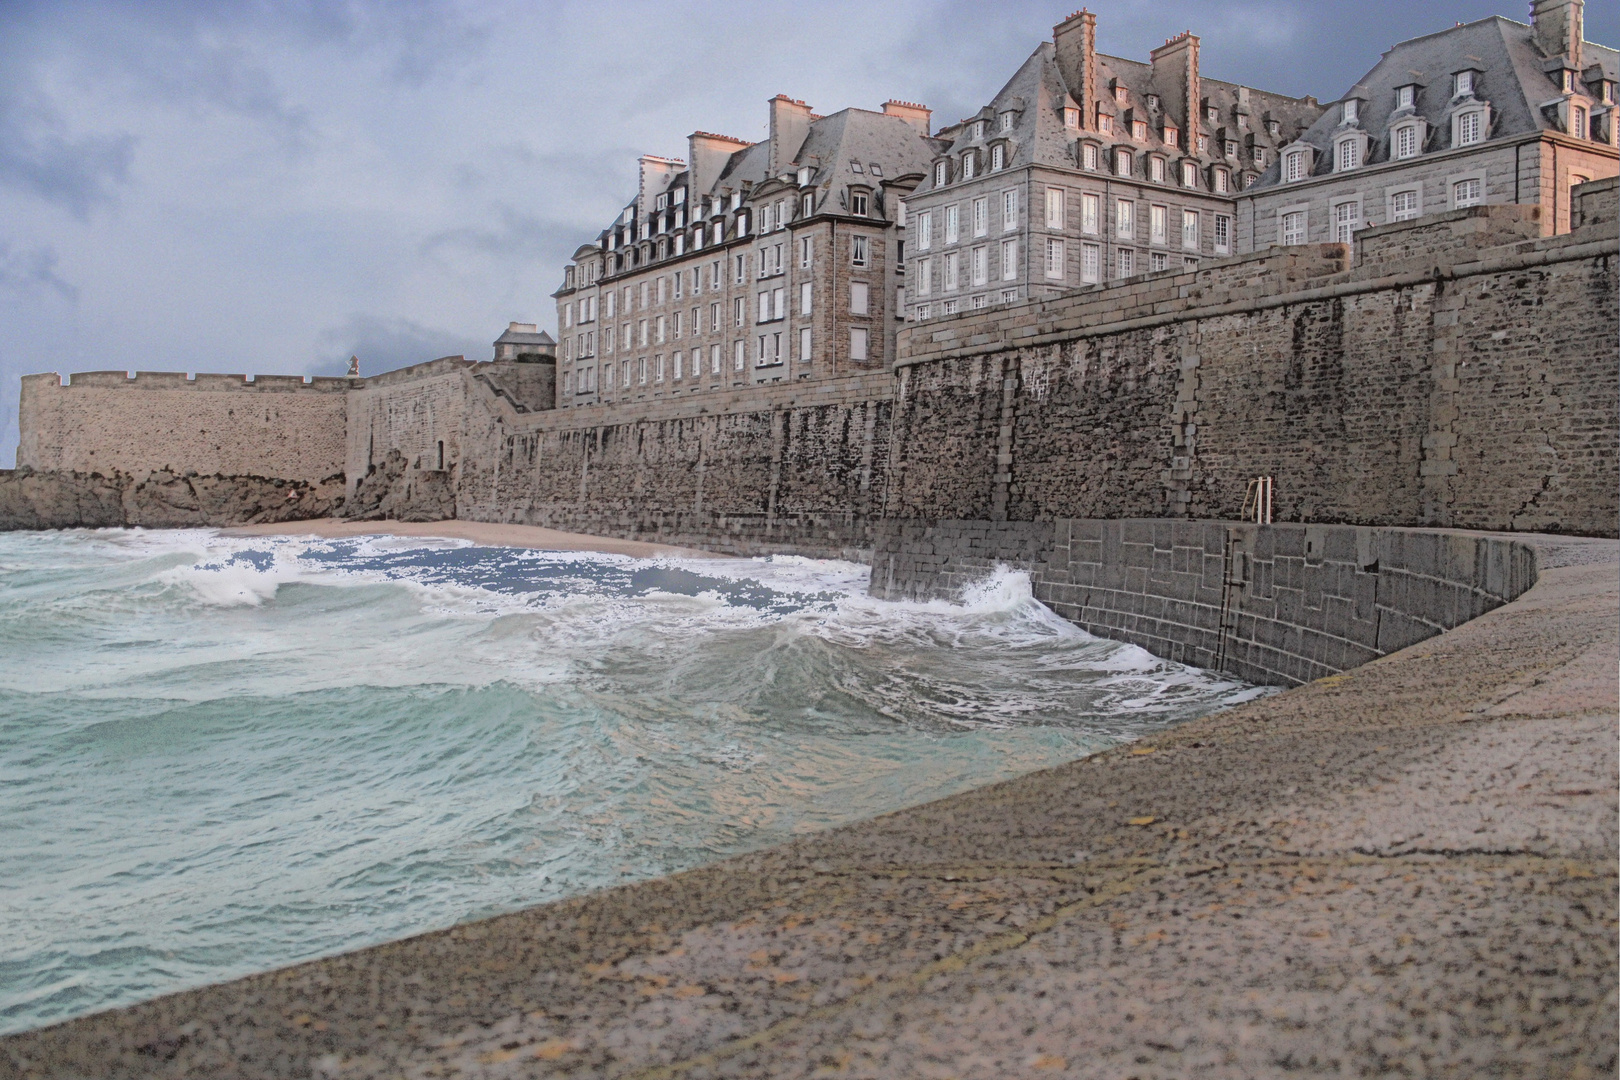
column 1465, row 83
column 1071, row 119
column 1139, row 130
column 804, row 176
column 1172, row 135
column 1405, row 97
column 1352, row 110
column 1121, row 94
column 1273, row 128
column 877, row 170
column 978, row 130
column 1211, row 113
column 998, row 157
column 1007, row 121
column 680, row 196
column 942, row 174
column 663, row 202
column 855, row 166
column 1153, row 101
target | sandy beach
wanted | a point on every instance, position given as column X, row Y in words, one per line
column 488, row 534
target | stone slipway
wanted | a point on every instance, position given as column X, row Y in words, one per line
column 1408, row 869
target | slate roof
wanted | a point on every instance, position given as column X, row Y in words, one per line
column 518, row 337
column 1512, row 79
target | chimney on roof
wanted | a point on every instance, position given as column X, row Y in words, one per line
column 656, row 173
column 790, row 125
column 1175, row 72
column 1076, row 41
column 707, row 155
column 1558, row 27
column 918, row 116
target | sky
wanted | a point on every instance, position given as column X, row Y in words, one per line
column 269, row 187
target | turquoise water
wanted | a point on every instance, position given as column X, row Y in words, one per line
column 220, row 755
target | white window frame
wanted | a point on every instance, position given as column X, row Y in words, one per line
column 1009, row 260
column 859, row 343
column 1090, row 213
column 1345, row 215
column 1223, row 234
column 1055, row 208
column 804, row 344
column 1159, row 224
column 981, row 216
column 925, row 230
column 1414, row 190
column 953, row 223
column 979, row 265
column 1125, row 219
column 860, row 250
column 806, row 297
column 1284, row 236
column 1452, row 193
column 1294, row 166
column 1009, row 210
column 1090, row 263
column 953, row 271
column 1191, row 230
column 1055, row 258
column 1470, row 127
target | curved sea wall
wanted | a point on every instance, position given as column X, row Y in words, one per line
column 1273, row 604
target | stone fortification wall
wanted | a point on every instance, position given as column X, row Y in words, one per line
column 108, row 422
column 1274, row 604
column 159, row 499
column 796, row 467
column 1458, row 371
column 404, row 441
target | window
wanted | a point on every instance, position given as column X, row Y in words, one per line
column 1403, row 206
column 1468, row 128
column 952, row 225
column 1071, row 119
column 922, row 312
column 925, row 230
column 1054, row 208
column 804, row 345
column 1089, row 213
column 1189, row 230
column 858, row 203
column 857, row 342
column 1469, row 192
column 739, row 269
column 1405, row 97
column 998, row 157
column 1189, row 174
column 855, row 166
column 1220, row 181
column 1124, row 262
column 1157, row 219
column 714, row 359
column 1172, row 135
column 1352, row 111
column 739, row 358
column 1293, row 227
column 1156, row 170
column 980, row 266
column 1088, row 157
column 641, row 372
column 1139, row 130
column 925, row 277
column 953, row 271
column 1105, row 124
column 1122, row 163
column 981, row 301
column 714, row 317
column 1294, row 165
column 1406, row 142
column 675, row 367
column 806, row 293
column 660, row 327
column 1464, row 84
column 858, row 246
column 739, row 311
column 1349, row 153
column 942, row 173
column 807, row 204
column 641, row 333
column 1122, row 94
column 1009, row 296
column 1090, row 262
column 1577, row 122
column 1009, row 260
column 1054, row 258
column 1009, row 211
column 1158, row 260
column 858, row 296
column 1124, row 218
column 1223, row 234
column 981, row 217
column 968, row 163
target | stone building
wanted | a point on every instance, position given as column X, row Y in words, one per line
column 1087, row 167
column 1492, row 111
column 748, row 263
column 525, row 343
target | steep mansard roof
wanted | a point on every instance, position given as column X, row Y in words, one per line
column 1511, row 78
column 1037, row 94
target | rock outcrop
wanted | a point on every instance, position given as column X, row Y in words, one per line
column 159, row 500
column 394, row 490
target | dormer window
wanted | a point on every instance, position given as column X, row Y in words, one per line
column 1566, row 81
column 978, row 130
column 1348, row 155
column 804, row 176
column 1405, row 97
column 1156, row 169
column 1122, row 162
column 1352, row 111
column 998, row 157
column 1293, row 165
column 1071, row 119
column 1231, row 149
column 1221, row 181
column 736, row 200
column 1274, row 128
column 1259, row 157
column 969, row 161
column 942, row 173
column 1211, row 114
column 663, row 202
column 1088, row 157
column 1153, row 102
column 1121, row 94
column 1105, row 123
column 1006, row 121
column 646, row 230
column 1405, row 143
column 1189, row 174
column 1464, row 84
column 1139, row 130
column 1470, row 127
column 1577, row 122
column 859, row 203
column 1172, row 135
column 680, row 196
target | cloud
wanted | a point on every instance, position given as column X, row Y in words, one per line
column 383, row 344
column 25, row 272
column 38, row 156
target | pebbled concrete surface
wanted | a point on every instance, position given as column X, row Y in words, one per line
column 1408, row 869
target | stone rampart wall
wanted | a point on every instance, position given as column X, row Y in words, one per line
column 1457, row 372
column 403, row 423
column 792, row 467
column 108, row 422
column 1274, row 604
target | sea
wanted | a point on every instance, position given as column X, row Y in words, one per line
column 224, row 754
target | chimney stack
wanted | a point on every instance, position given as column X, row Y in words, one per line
column 1076, row 42
column 707, row 155
column 1558, row 27
column 656, row 173
column 918, row 116
column 790, row 126
column 1175, row 73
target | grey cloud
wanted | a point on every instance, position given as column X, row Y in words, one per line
column 38, row 156
column 26, row 272
column 383, row 344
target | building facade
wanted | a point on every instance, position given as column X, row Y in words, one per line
column 1492, row 111
column 748, row 263
column 1086, row 168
